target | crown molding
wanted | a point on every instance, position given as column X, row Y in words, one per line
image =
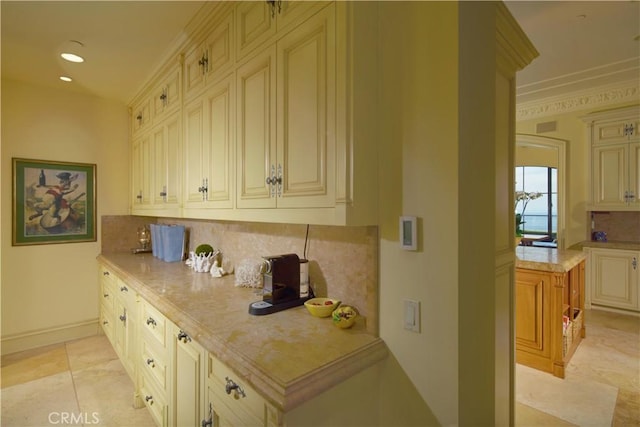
column 602, row 96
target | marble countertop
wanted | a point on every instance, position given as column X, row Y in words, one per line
column 289, row 357
column 633, row 246
column 547, row 259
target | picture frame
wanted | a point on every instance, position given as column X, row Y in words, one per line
column 53, row 202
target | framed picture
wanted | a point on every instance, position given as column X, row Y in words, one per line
column 53, row 202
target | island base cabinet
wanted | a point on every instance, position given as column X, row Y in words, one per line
column 549, row 317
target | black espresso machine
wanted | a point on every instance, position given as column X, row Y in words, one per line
column 281, row 275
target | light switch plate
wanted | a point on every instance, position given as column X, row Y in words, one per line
column 412, row 315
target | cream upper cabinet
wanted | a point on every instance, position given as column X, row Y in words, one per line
column 166, row 96
column 256, row 131
column 209, row 134
column 141, row 115
column 286, row 120
column 156, row 170
column 141, row 161
column 258, row 21
column 614, row 278
column 615, row 159
column 213, row 58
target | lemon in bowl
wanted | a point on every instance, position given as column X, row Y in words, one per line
column 321, row 307
column 344, row 316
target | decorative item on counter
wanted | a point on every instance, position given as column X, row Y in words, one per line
column 344, row 316
column 144, row 238
column 304, row 278
column 599, row 236
column 173, row 242
column 321, row 307
column 220, row 269
column 156, row 240
column 202, row 258
column 249, row 273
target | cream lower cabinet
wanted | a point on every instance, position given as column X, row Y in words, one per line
column 614, row 278
column 233, row 403
column 118, row 318
column 189, row 377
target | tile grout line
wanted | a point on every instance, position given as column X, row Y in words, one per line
column 73, row 380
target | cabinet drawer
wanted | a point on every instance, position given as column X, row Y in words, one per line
column 106, row 321
column 154, row 325
column 154, row 400
column 251, row 406
column 154, row 364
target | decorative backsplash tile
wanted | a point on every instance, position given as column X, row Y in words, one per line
column 343, row 260
column 619, row 226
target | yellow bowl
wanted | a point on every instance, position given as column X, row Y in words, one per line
column 321, row 307
column 344, row 316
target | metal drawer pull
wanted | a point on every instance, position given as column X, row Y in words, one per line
column 209, row 422
column 151, row 363
column 123, row 317
column 231, row 386
column 182, row 336
column 124, row 289
column 105, row 273
column 149, row 399
column 151, row 321
column 105, row 295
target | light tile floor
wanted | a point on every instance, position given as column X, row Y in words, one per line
column 75, row 383
column 84, row 381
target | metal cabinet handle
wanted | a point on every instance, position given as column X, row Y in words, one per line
column 151, row 321
column 204, row 189
column 123, row 317
column 151, row 363
column 105, row 273
column 232, row 386
column 149, row 399
column 208, row 422
column 634, row 263
column 105, row 295
column 182, row 336
column 105, row 322
column 124, row 289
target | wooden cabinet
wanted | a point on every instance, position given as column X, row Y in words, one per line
column 189, row 374
column 615, row 159
column 286, row 120
column 268, row 130
column 212, row 58
column 614, row 278
column 209, row 133
column 549, row 317
column 232, row 402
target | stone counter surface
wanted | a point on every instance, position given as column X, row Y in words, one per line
column 288, row 357
column 630, row 246
column 547, row 259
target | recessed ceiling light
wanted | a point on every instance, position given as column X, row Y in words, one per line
column 66, row 78
column 71, row 51
column 72, row 57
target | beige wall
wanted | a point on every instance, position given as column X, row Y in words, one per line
column 571, row 128
column 419, row 177
column 50, row 292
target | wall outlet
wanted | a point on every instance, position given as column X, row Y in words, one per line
column 412, row 315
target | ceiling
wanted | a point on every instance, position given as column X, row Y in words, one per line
column 581, row 44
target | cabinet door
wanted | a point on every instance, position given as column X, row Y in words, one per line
column 256, row 131
column 306, row 113
column 124, row 328
column 189, row 381
column 194, row 173
column 141, row 191
column 166, row 96
column 166, row 155
column 614, row 278
column 254, row 25
column 220, row 49
column 194, row 69
column 634, row 173
column 141, row 116
column 610, row 174
column 532, row 316
column 218, row 147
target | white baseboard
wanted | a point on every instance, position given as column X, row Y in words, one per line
column 34, row 339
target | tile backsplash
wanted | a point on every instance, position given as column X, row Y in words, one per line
column 619, row 226
column 342, row 260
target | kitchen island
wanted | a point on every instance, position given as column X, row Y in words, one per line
column 549, row 307
column 288, row 358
